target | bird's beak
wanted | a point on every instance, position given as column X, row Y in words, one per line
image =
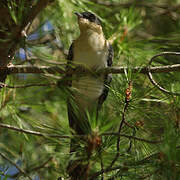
column 79, row 15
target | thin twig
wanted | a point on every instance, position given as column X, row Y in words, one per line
column 32, row 69
column 127, row 100
column 36, row 133
column 119, row 137
column 40, row 166
column 32, row 132
column 26, row 85
column 141, row 162
column 93, row 176
column 14, row 164
column 150, row 73
column 33, row 169
column 129, row 125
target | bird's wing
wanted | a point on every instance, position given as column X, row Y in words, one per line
column 70, row 53
column 67, row 79
column 69, row 62
column 107, row 78
column 71, row 106
column 110, row 55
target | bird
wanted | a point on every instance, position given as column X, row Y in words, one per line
column 88, row 91
column 94, row 52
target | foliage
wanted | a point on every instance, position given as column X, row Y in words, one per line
column 138, row 32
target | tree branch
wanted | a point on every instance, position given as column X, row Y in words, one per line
column 114, row 70
column 40, row 166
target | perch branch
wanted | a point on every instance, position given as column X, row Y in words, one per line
column 114, row 70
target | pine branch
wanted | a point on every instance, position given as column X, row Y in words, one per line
column 131, row 137
column 127, row 100
column 14, row 164
column 40, row 166
column 128, row 165
column 37, row 133
column 93, row 176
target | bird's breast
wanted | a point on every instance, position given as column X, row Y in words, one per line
column 92, row 53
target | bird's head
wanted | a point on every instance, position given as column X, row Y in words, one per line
column 88, row 20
